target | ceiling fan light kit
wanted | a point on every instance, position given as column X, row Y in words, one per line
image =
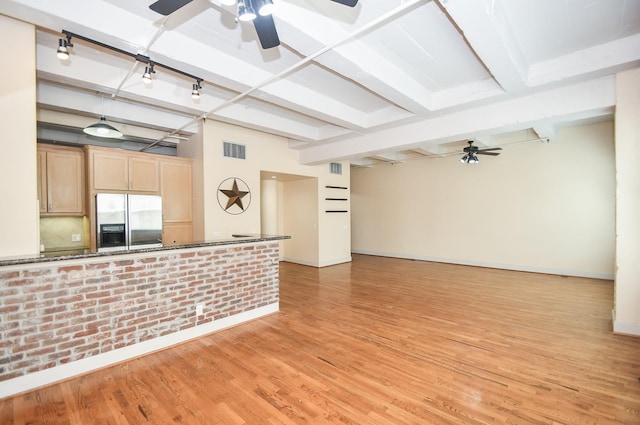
column 471, row 151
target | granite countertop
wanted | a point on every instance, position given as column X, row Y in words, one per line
column 87, row 253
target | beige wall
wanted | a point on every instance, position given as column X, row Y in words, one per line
column 19, row 212
column 546, row 207
column 627, row 280
column 266, row 152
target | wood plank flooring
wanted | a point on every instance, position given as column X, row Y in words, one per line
column 379, row 341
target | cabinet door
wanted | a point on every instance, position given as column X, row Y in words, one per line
column 177, row 191
column 110, row 171
column 143, row 175
column 177, row 233
column 42, row 181
column 65, row 179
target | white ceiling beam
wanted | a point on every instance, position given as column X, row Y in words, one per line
column 485, row 141
column 545, row 130
column 364, row 162
column 582, row 99
column 433, row 150
column 305, row 31
column 609, row 57
column 390, row 157
column 86, row 104
column 485, row 27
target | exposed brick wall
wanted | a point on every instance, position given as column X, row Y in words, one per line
column 56, row 312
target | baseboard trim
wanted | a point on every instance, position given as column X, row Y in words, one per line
column 624, row 328
column 317, row 264
column 520, row 268
column 46, row 377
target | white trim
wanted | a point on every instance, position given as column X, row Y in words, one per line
column 45, row 377
column 520, row 268
column 303, row 262
column 624, row 328
column 316, row 264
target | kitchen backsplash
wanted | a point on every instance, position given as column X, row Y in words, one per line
column 62, row 233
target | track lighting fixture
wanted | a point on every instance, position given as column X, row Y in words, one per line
column 102, row 129
column 148, row 70
column 63, row 48
column 63, row 53
column 195, row 93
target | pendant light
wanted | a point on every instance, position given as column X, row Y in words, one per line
column 102, row 129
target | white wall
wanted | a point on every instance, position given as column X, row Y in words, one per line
column 19, row 223
column 266, row 152
column 627, row 284
column 546, row 207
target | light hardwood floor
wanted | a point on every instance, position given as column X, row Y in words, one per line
column 379, row 341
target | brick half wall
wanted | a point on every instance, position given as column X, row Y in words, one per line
column 58, row 312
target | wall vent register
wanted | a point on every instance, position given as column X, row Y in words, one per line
column 234, row 150
column 335, row 168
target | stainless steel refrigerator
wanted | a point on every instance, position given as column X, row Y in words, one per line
column 128, row 221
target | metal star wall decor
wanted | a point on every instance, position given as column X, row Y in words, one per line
column 237, row 193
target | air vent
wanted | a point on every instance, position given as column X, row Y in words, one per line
column 233, row 150
column 335, row 168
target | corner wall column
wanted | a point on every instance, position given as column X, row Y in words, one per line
column 626, row 317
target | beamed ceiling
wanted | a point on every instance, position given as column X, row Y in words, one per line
column 381, row 82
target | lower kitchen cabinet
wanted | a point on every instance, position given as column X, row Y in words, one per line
column 177, row 233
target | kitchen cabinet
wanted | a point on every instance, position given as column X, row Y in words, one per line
column 176, row 187
column 116, row 171
column 60, row 180
column 121, row 171
column 176, row 233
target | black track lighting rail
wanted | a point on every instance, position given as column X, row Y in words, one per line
column 137, row 56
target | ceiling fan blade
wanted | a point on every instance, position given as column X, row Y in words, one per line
column 266, row 29
column 350, row 3
column 487, row 153
column 167, row 7
column 491, row 149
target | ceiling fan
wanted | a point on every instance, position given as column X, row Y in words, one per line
column 471, row 151
column 258, row 11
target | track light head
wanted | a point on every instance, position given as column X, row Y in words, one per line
column 63, row 48
column 246, row 12
column 265, row 7
column 148, row 70
column 195, row 93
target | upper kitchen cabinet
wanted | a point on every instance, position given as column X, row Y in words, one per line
column 122, row 171
column 60, row 180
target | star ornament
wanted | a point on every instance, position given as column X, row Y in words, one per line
column 234, row 195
